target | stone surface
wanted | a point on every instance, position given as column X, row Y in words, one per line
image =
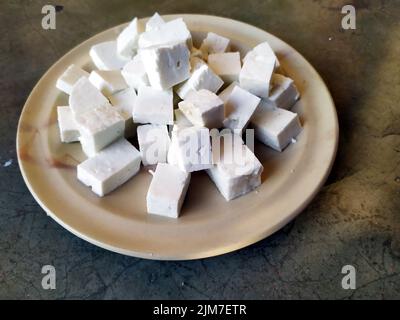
column 354, row 220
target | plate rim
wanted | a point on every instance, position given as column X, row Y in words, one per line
column 201, row 254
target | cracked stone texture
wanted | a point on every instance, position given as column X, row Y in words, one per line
column 354, row 220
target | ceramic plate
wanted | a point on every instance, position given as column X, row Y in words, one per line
column 209, row 225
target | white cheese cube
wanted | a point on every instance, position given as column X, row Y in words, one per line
column 203, row 108
column 69, row 131
column 105, row 56
column 263, row 49
column 239, row 108
column 70, row 77
column 226, row 65
column 167, row 191
column 256, row 75
column 110, row 168
column 154, row 142
column 181, row 121
column 135, row 74
column 275, row 127
column 155, row 22
column 284, row 93
column 127, row 41
column 85, row 96
column 214, row 43
column 236, row 171
column 166, row 65
column 98, row 128
column 174, row 31
column 124, row 101
column 201, row 78
column 154, row 106
column 224, row 95
column 192, row 148
column 108, row 81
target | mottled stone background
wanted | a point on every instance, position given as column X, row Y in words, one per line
column 354, row 220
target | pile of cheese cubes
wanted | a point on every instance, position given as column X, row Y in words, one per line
column 153, row 86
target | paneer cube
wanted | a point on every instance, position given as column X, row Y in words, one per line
column 154, row 142
column 69, row 131
column 85, row 96
column 124, row 101
column 155, row 22
column 167, row 191
column 98, row 128
column 214, row 43
column 174, row 31
column 239, row 108
column 256, row 75
column 166, row 65
column 203, row 77
column 108, row 81
column 284, row 93
column 203, row 108
column 224, row 95
column 181, row 121
column 154, row 106
column 105, row 56
column 275, row 127
column 70, row 77
column 135, row 74
column 226, row 65
column 110, row 168
column 127, row 41
column 236, row 170
column 263, row 49
column 191, row 149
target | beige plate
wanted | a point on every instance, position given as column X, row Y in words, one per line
column 209, row 225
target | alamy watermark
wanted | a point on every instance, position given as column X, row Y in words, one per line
column 349, row 20
column 349, row 280
column 49, row 278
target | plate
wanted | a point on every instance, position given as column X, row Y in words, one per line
column 209, row 225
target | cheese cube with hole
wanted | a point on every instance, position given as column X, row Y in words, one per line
column 193, row 148
column 105, row 56
column 201, row 78
column 203, row 108
column 135, row 74
column 166, row 65
column 108, row 81
column 155, row 22
column 98, row 128
column 284, row 93
column 256, row 75
column 85, row 96
column 70, row 77
column 263, row 49
column 110, row 168
column 226, row 65
column 275, row 127
column 174, row 31
column 69, row 131
column 214, row 43
column 167, row 191
column 124, row 101
column 154, row 106
column 224, row 95
column 127, row 41
column 236, row 170
column 239, row 108
column 154, row 142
